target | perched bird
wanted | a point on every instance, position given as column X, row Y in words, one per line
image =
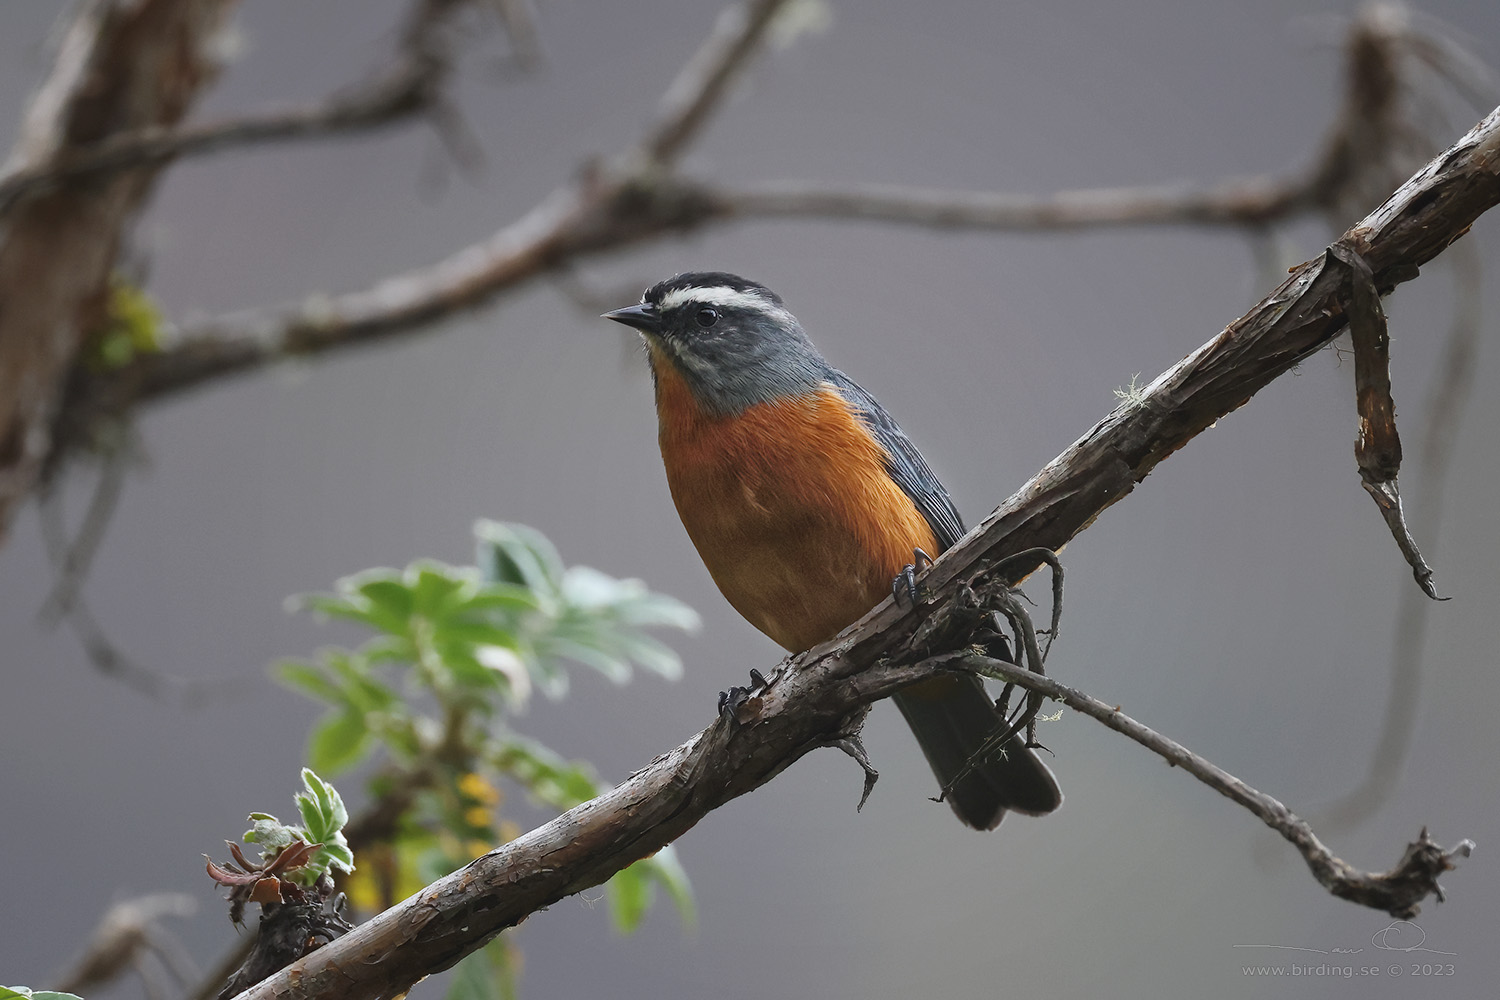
column 806, row 501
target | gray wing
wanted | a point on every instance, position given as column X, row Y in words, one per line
column 904, row 462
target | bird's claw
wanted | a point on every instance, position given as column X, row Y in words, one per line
column 905, row 583
column 855, row 747
column 731, row 701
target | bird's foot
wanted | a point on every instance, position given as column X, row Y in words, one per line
column 905, row 583
column 731, row 702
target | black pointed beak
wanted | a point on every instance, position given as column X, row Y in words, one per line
column 642, row 316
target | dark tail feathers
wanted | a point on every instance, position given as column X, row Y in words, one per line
column 951, row 717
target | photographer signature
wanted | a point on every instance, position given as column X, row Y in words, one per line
column 1399, row 935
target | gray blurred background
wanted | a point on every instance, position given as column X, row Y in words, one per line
column 1241, row 601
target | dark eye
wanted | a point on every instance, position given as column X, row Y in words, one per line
column 707, row 317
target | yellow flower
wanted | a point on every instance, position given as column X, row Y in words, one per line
column 476, row 787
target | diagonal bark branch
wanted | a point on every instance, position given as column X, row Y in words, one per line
column 814, row 700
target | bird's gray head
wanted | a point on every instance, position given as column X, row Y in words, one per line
column 732, row 340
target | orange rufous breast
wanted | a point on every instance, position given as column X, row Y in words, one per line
column 790, row 506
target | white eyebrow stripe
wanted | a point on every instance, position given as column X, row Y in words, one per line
column 722, row 296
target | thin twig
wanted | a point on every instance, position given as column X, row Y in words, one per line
column 71, row 606
column 520, row 25
column 1398, row 892
column 77, row 556
column 701, row 85
column 126, row 931
column 1377, row 447
column 1446, row 400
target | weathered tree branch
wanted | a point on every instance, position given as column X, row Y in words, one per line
column 411, row 82
column 120, row 67
column 819, row 695
column 1249, row 201
column 622, row 202
column 1375, row 140
column 635, row 197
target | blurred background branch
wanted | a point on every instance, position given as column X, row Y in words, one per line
column 633, row 198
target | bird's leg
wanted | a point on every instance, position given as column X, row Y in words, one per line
column 905, row 583
column 1035, row 556
column 1032, row 658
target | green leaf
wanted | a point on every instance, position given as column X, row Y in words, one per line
column 132, row 327
column 400, row 735
column 544, row 773
column 389, row 649
column 312, row 818
column 340, row 856
column 548, row 677
column 503, row 597
column 587, row 588
column 22, row 992
column 270, row 833
column 466, row 668
column 361, row 690
column 310, row 680
column 355, row 610
column 629, row 893
column 647, row 608
column 377, row 597
column 586, row 649
column 632, row 891
column 436, row 589
column 514, row 553
column 338, row 741
column 651, row 654
column 487, row 974
column 370, row 695
column 476, row 634
column 667, row 869
column 323, row 816
column 385, row 590
column 330, row 803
